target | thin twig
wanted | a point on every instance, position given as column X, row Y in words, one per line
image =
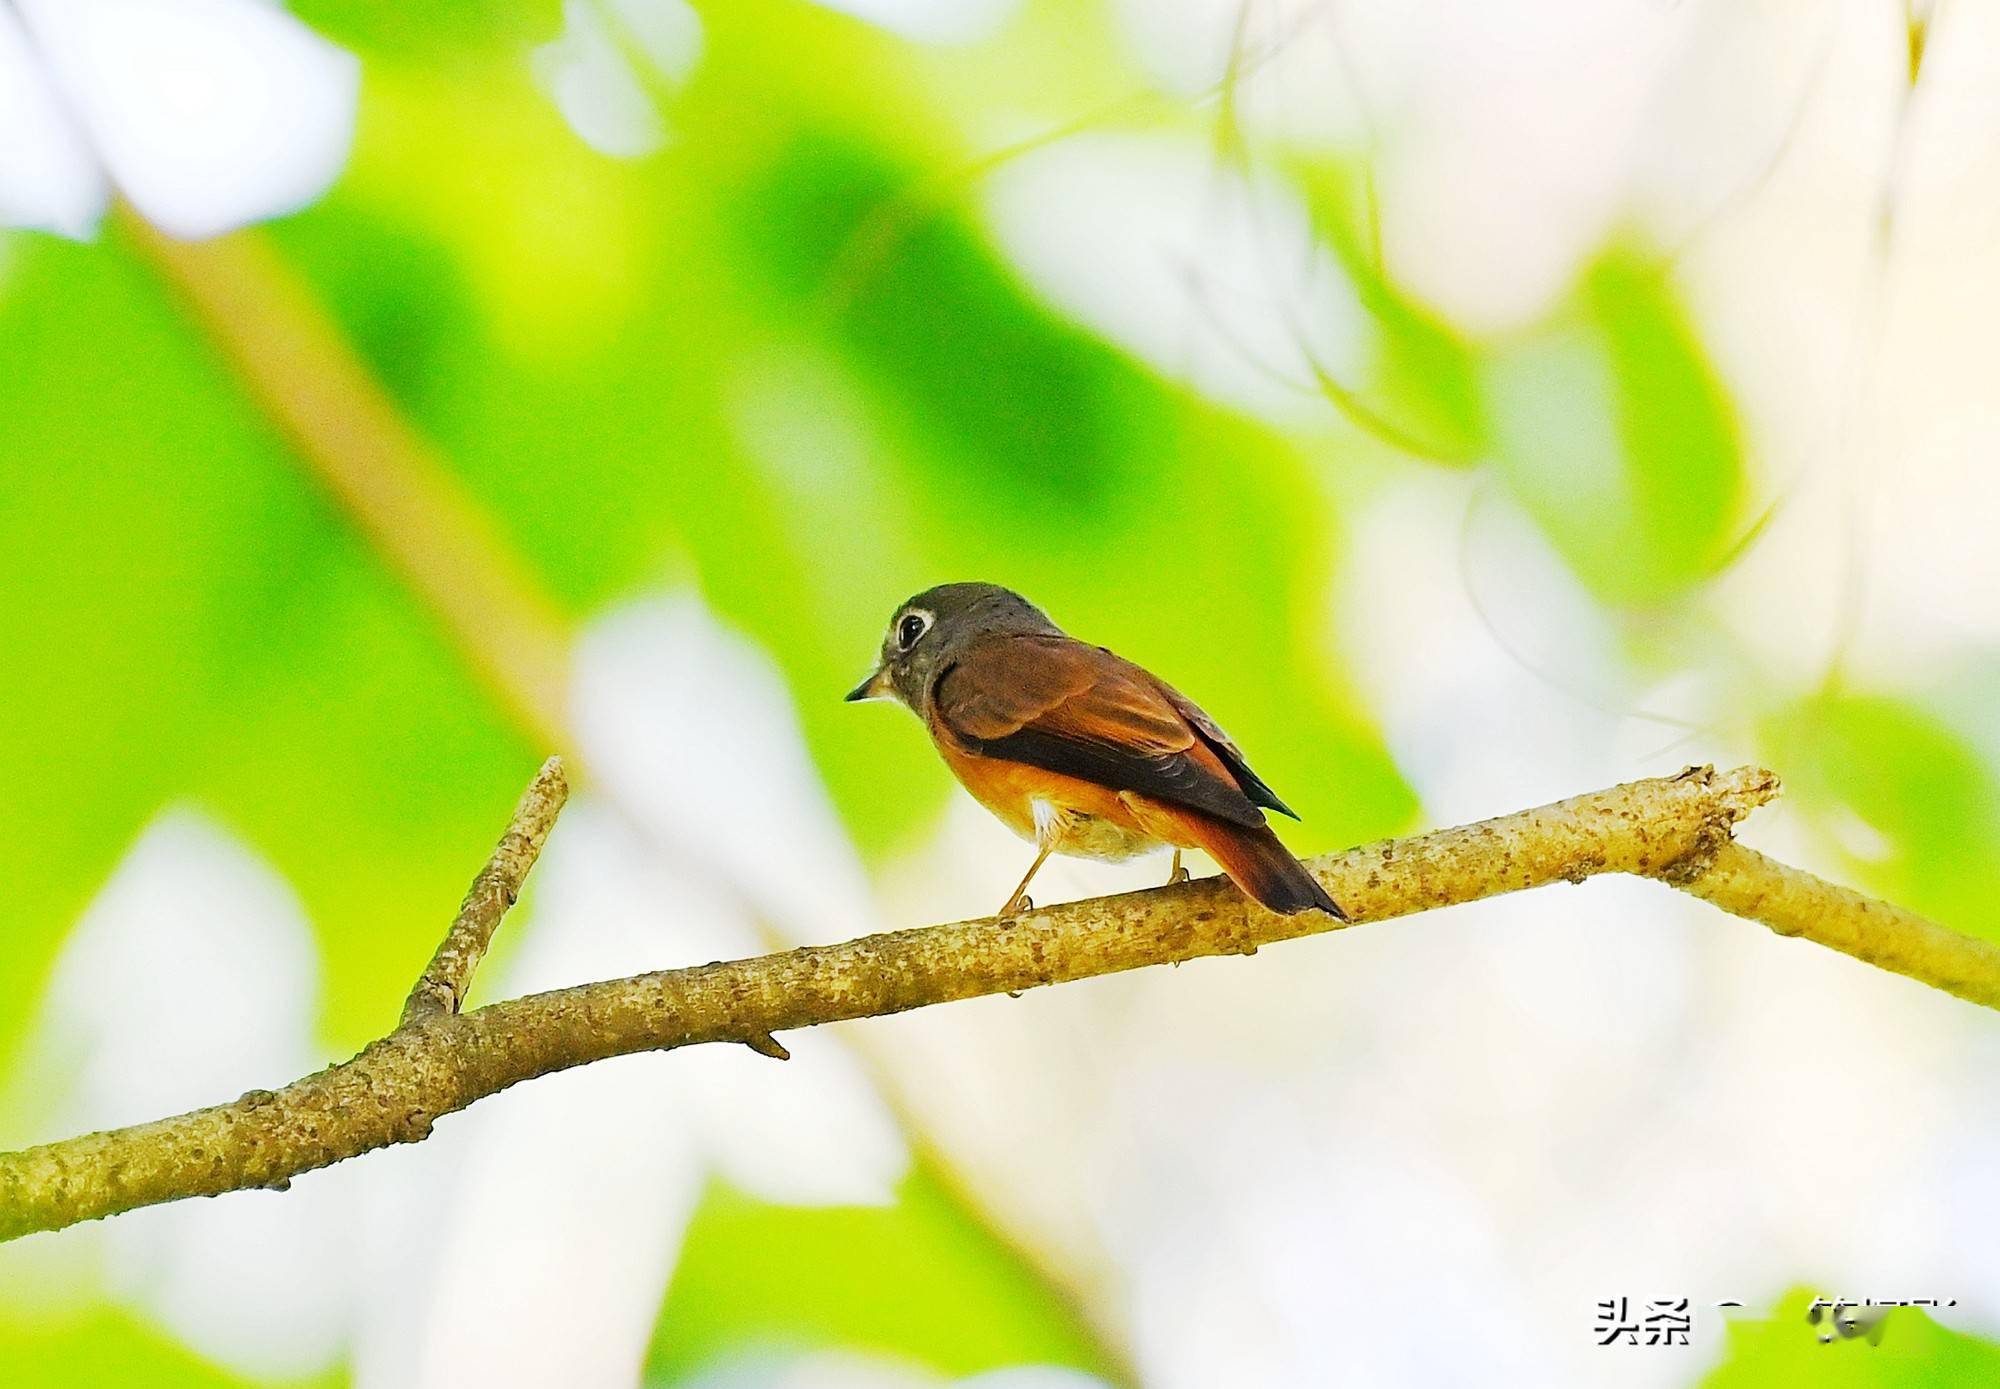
column 1677, row 829
column 442, row 987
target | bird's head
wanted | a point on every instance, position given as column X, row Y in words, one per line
column 928, row 632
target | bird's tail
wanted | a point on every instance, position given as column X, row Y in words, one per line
column 1259, row 863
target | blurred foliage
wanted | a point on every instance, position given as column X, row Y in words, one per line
column 909, row 1280
column 492, row 33
column 108, row 1347
column 1908, row 1351
column 675, row 370
column 1926, row 801
column 1421, row 390
column 783, row 362
column 221, row 635
column 1613, row 431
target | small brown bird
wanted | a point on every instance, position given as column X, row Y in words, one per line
column 1077, row 749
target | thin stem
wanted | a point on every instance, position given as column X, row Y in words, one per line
column 441, row 988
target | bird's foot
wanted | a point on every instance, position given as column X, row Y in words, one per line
column 1019, row 903
column 1179, row 873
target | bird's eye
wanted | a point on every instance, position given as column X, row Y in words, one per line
column 910, row 627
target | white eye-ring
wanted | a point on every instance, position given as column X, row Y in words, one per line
column 911, row 626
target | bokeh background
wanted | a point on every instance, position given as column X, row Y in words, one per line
column 1471, row 403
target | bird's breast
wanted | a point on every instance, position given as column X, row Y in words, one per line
column 1093, row 821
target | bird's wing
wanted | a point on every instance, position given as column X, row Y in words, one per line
column 1225, row 748
column 1057, row 704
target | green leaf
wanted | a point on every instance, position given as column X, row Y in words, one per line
column 1420, row 390
column 206, row 626
column 1614, row 432
column 913, row 1279
column 109, row 1347
column 436, row 33
column 148, row 518
column 1912, row 1352
column 1909, row 797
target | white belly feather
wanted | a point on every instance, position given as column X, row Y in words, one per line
column 1086, row 836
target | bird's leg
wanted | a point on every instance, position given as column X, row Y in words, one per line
column 1179, row 874
column 1020, row 901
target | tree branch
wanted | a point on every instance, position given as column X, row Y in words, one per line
column 441, row 988
column 1677, row 829
column 1793, row 902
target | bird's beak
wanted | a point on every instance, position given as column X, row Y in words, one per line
column 876, row 686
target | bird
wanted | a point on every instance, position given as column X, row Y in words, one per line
column 1078, row 749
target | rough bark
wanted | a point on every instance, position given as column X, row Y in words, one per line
column 1676, row 829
